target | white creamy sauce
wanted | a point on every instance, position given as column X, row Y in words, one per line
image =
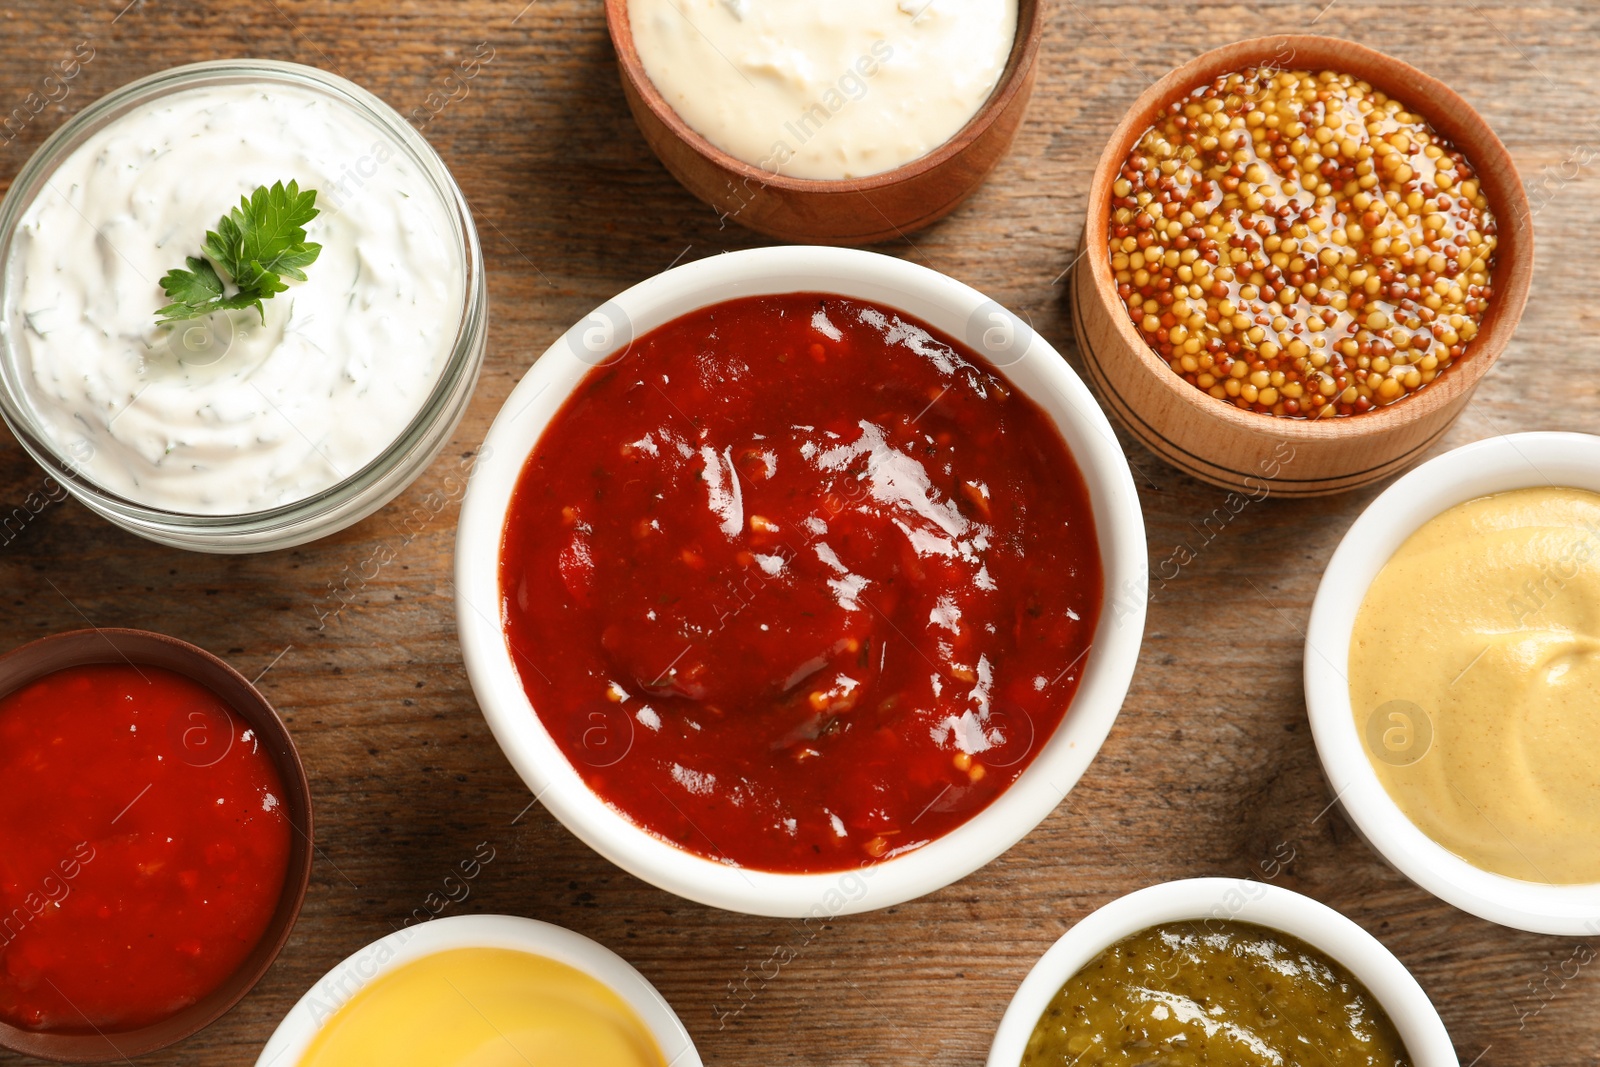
column 341, row 366
column 825, row 89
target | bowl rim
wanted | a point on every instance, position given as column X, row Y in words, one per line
column 401, row 460
column 46, row 655
column 410, row 943
column 1446, row 111
column 1242, row 900
column 1496, row 464
column 940, row 301
column 1013, row 80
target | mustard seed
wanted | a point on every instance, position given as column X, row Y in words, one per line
column 1299, row 244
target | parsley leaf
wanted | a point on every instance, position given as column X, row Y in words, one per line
column 194, row 286
column 255, row 244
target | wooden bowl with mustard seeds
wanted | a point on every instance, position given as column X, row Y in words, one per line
column 1300, row 257
column 845, row 211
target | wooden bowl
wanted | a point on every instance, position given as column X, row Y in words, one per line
column 852, row 211
column 141, row 648
column 1245, row 450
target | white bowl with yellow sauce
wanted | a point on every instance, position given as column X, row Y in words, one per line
column 1452, row 679
column 471, row 988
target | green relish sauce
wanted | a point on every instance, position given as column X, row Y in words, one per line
column 1213, row 993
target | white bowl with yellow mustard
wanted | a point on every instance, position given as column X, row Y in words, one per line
column 1452, row 675
column 482, row 989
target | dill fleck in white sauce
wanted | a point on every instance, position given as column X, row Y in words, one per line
column 341, row 366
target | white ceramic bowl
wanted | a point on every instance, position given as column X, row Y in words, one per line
column 942, row 302
column 1318, row 925
column 293, row 1036
column 1495, row 465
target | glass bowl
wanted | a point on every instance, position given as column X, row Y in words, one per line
column 352, row 498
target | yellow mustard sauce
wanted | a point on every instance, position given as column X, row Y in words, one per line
column 484, row 1007
column 1475, row 682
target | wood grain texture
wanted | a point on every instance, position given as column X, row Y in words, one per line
column 1293, row 458
column 1209, row 770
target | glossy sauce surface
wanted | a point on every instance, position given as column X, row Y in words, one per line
column 143, row 847
column 1213, row 993
column 1298, row 243
column 798, row 584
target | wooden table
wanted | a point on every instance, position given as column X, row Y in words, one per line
column 1210, row 769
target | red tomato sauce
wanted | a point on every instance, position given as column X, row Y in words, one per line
column 143, row 847
column 799, row 583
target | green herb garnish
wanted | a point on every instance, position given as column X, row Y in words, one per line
column 255, row 244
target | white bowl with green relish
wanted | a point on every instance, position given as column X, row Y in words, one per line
column 1194, row 996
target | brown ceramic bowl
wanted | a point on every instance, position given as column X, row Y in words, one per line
column 81, row 647
column 854, row 211
column 1254, row 453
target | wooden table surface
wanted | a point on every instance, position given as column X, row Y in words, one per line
column 1209, row 771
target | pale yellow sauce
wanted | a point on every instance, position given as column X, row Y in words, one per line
column 1483, row 630
column 484, row 1007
